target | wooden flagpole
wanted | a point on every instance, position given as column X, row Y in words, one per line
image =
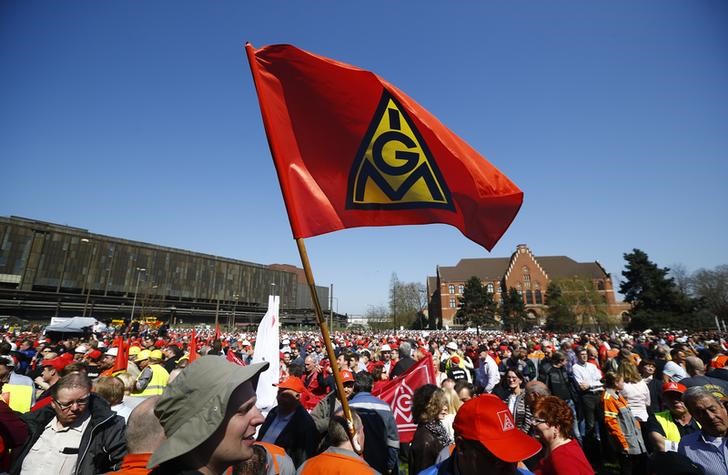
column 327, row 341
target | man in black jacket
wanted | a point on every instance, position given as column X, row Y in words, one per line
column 76, row 434
column 289, row 425
column 405, row 360
column 561, row 385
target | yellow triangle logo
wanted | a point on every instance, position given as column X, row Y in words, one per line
column 394, row 168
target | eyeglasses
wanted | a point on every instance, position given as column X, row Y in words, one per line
column 67, row 405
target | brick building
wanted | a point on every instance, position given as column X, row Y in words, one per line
column 528, row 274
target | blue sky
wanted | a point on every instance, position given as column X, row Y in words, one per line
column 140, row 120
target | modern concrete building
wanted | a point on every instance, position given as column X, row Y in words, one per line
column 52, row 270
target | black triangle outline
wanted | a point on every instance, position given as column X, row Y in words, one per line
column 381, row 108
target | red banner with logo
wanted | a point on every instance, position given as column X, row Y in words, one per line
column 398, row 394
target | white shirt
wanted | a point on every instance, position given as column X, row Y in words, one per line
column 587, row 374
column 637, row 396
column 674, row 371
column 46, row 456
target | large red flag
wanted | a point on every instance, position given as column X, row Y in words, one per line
column 398, row 394
column 193, row 346
column 351, row 149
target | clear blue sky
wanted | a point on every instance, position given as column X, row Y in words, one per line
column 140, row 120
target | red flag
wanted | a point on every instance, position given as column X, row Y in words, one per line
column 217, row 331
column 122, row 355
column 398, row 394
column 351, row 150
column 231, row 357
column 193, row 346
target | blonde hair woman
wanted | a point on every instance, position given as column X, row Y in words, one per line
column 452, row 406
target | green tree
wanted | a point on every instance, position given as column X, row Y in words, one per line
column 656, row 301
column 512, row 310
column 587, row 304
column 477, row 307
column 559, row 316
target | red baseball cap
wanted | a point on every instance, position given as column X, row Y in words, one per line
column 486, row 419
column 293, row 383
column 674, row 387
column 57, row 363
column 94, row 354
column 346, row 376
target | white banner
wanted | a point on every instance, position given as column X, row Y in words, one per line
column 267, row 349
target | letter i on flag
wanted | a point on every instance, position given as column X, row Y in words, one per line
column 350, row 150
column 267, row 349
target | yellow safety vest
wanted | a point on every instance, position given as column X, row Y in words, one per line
column 669, row 426
column 156, row 385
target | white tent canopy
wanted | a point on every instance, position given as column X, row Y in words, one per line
column 71, row 325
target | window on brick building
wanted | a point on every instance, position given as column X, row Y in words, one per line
column 451, row 289
column 460, row 289
column 600, row 285
column 529, row 297
column 539, row 299
column 452, row 303
column 526, row 281
column 489, row 287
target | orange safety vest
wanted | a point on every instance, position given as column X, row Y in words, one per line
column 275, row 451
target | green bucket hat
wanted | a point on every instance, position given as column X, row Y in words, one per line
column 193, row 405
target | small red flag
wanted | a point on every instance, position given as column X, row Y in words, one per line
column 193, row 346
column 351, row 150
column 217, row 331
column 122, row 355
column 231, row 357
column 398, row 394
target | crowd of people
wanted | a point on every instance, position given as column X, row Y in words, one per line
column 175, row 400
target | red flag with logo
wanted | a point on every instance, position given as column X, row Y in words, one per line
column 398, row 394
column 351, row 150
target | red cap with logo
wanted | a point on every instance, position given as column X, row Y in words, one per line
column 674, row 387
column 346, row 376
column 486, row 419
column 293, row 383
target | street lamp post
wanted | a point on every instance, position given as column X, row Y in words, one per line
column 235, row 306
column 136, row 289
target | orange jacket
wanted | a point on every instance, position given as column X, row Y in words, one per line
column 336, row 461
column 133, row 464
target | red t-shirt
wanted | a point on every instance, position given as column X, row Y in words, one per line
column 567, row 459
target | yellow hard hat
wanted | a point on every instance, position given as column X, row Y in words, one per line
column 143, row 355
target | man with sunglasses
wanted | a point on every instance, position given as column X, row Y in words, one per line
column 77, row 433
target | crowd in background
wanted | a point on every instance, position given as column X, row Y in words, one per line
column 650, row 402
